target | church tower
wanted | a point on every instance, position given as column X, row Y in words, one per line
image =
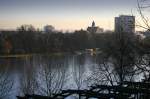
column 93, row 24
column 94, row 28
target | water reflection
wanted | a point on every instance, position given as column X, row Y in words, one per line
column 46, row 75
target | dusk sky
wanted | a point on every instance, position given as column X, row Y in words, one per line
column 63, row 14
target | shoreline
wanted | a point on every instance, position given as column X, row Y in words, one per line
column 45, row 54
column 32, row 54
column 16, row 55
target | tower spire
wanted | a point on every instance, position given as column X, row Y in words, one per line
column 93, row 24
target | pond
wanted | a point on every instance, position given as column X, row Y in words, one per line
column 31, row 74
column 47, row 74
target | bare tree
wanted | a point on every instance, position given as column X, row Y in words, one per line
column 123, row 55
column 26, row 27
column 6, row 84
column 117, row 63
column 28, row 80
column 52, row 78
column 143, row 64
column 103, row 74
column 143, row 6
column 79, row 75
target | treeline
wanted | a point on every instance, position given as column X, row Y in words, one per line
column 29, row 40
column 32, row 41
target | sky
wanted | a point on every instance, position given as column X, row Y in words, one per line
column 63, row 14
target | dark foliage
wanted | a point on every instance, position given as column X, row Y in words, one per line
column 30, row 41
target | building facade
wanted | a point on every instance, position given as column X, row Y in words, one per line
column 125, row 23
column 94, row 28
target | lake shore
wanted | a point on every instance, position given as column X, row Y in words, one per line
column 32, row 54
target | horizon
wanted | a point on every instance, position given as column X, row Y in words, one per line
column 65, row 14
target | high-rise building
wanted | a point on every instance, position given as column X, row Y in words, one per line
column 125, row 23
column 94, row 28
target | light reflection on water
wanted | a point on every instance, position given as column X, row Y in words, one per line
column 18, row 68
column 31, row 74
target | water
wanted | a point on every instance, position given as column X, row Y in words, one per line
column 31, row 74
column 47, row 74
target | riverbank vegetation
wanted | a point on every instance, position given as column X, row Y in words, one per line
column 25, row 41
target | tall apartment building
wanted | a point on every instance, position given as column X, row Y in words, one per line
column 125, row 23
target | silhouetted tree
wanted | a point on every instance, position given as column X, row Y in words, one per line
column 29, row 79
column 79, row 74
column 26, row 27
column 6, row 84
column 119, row 59
column 52, row 78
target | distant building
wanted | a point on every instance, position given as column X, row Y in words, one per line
column 49, row 29
column 94, row 29
column 125, row 23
